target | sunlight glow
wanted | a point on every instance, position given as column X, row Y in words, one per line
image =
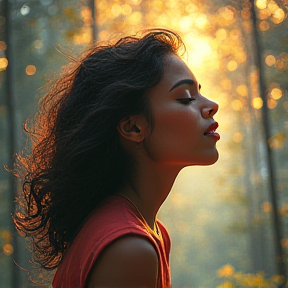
column 237, row 105
column 200, row 51
column 185, row 23
column 126, row 9
column 191, row 8
column 202, row 21
column 226, row 84
column 135, row 18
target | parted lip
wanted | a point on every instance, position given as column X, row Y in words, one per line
column 212, row 128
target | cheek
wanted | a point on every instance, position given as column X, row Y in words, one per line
column 176, row 123
column 173, row 134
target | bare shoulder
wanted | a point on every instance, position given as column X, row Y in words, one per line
column 130, row 261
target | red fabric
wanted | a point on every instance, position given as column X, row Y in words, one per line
column 115, row 218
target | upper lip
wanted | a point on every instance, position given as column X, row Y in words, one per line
column 212, row 127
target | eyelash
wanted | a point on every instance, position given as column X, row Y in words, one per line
column 185, row 101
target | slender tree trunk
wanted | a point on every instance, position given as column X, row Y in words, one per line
column 10, row 102
column 91, row 4
column 267, row 134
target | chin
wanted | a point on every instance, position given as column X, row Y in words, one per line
column 208, row 160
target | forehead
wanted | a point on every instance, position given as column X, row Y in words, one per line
column 175, row 70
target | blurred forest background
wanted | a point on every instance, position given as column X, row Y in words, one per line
column 228, row 222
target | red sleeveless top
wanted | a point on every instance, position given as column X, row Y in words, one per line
column 116, row 217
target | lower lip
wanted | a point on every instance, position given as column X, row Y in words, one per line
column 214, row 135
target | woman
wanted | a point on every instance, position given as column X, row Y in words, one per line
column 107, row 144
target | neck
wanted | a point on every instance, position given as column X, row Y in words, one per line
column 149, row 188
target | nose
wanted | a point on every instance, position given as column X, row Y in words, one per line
column 210, row 109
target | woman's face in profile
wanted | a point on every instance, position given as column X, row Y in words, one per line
column 184, row 129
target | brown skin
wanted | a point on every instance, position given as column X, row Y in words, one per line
column 176, row 141
column 129, row 271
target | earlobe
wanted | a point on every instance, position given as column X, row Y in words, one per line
column 133, row 128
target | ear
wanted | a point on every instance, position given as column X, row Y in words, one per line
column 133, row 128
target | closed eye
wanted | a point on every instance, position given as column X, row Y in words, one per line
column 186, row 100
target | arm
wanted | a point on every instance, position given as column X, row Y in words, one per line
column 129, row 262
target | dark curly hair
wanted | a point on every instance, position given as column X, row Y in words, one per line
column 76, row 159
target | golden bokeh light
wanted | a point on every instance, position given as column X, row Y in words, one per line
column 270, row 60
column 264, row 14
column 8, row 249
column 221, row 34
column 30, row 70
column 134, row 18
column 246, row 14
column 280, row 64
column 238, row 137
column 200, row 52
column 191, row 8
column 6, row 235
column 237, row 105
column 278, row 16
column 232, row 65
column 242, row 90
column 284, row 242
column 84, row 37
column 257, row 103
column 116, row 10
column 222, row 99
column 86, row 15
column 267, row 207
column 261, row 4
column 38, row 44
column 271, row 103
column 277, row 142
column 241, row 56
column 3, row 63
column 202, row 21
column 3, row 46
column 226, row 84
column 227, row 13
column 273, row 6
column 135, row 2
column 276, row 93
column 126, row 9
column 226, row 271
column 264, row 25
column 185, row 23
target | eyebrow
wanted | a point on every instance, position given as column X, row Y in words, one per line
column 182, row 82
